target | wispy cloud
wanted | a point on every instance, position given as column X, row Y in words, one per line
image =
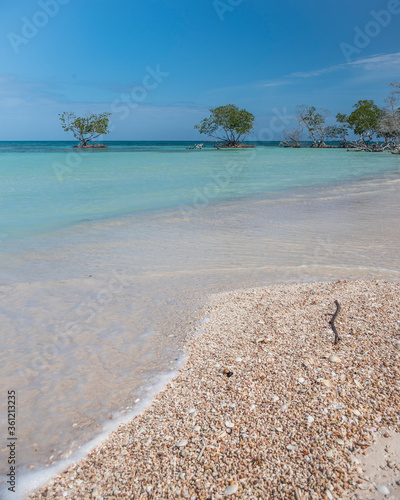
column 274, row 84
column 369, row 63
column 15, row 91
column 372, row 63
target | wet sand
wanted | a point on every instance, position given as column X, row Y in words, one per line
column 266, row 406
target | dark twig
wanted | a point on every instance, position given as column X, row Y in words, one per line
column 332, row 322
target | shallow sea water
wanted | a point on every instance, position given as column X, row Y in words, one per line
column 102, row 277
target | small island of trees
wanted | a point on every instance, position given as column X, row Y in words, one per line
column 229, row 125
column 376, row 129
column 86, row 128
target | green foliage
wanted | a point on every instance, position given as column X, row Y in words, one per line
column 228, row 124
column 364, row 120
column 85, row 128
column 339, row 131
column 342, row 118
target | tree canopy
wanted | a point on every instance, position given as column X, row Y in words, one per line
column 367, row 121
column 228, row 124
column 314, row 123
column 364, row 120
column 85, row 128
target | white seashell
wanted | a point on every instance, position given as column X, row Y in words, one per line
column 340, row 441
column 384, row 490
column 329, row 494
column 291, row 447
column 284, row 407
column 356, row 412
column 334, row 359
column 230, row 425
column 230, row 490
column 182, row 443
column 300, row 380
column 197, row 428
column 327, row 383
column 310, row 419
column 275, row 398
column 358, row 384
column 191, row 410
column 329, row 454
column 279, row 429
column 238, row 360
column 338, row 407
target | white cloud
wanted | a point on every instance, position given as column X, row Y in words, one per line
column 274, row 84
column 369, row 63
column 10, row 102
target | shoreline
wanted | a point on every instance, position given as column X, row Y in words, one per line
column 210, row 425
column 199, row 199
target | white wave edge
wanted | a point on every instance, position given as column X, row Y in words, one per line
column 27, row 482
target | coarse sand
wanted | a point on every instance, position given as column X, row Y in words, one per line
column 266, row 406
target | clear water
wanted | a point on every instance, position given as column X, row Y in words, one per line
column 46, row 186
column 105, row 262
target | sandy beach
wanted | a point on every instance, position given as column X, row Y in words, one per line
column 266, row 406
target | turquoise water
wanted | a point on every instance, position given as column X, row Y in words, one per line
column 46, row 186
column 107, row 257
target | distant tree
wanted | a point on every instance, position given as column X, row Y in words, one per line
column 364, row 120
column 313, row 123
column 291, row 138
column 85, row 128
column 228, row 124
column 396, row 86
column 389, row 124
column 339, row 131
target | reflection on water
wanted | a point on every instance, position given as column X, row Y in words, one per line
column 92, row 314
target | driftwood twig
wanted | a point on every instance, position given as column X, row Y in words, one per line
column 332, row 322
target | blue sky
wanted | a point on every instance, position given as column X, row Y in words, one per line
column 159, row 66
